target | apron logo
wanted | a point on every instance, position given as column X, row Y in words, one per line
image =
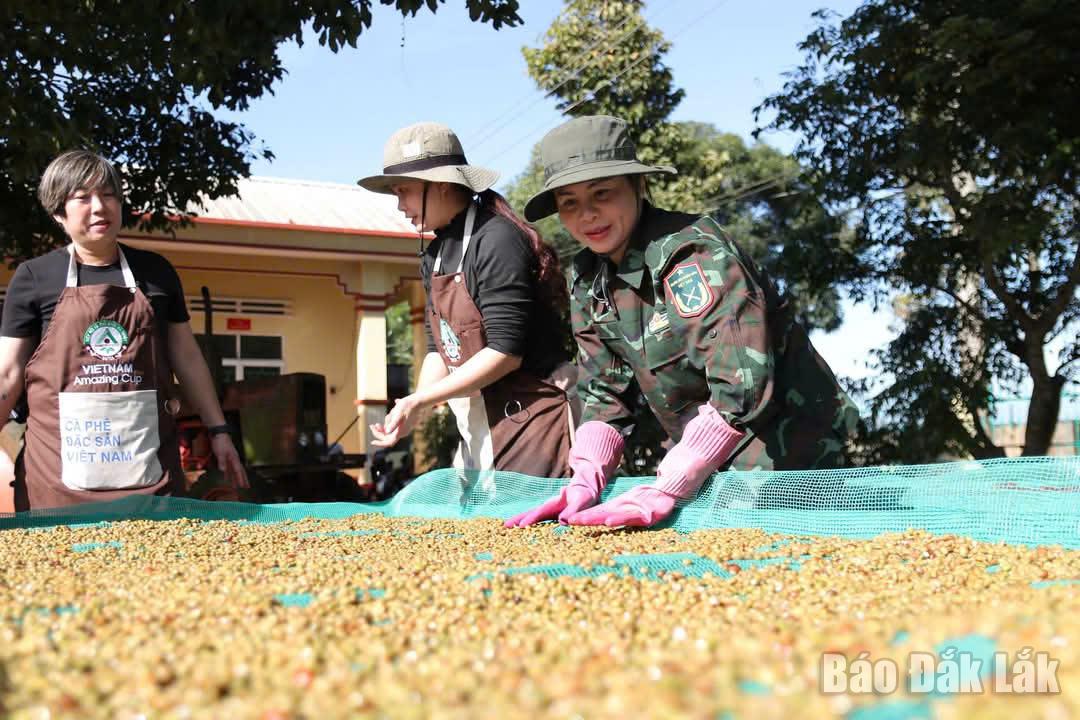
column 689, row 290
column 105, row 339
column 451, row 344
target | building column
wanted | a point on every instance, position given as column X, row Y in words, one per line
column 370, row 374
column 371, row 391
column 417, row 307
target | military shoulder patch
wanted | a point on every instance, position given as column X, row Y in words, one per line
column 688, row 289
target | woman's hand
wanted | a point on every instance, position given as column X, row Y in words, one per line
column 570, row 501
column 228, row 460
column 399, row 422
column 593, row 460
column 643, row 506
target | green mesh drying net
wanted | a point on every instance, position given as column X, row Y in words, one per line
column 1033, row 501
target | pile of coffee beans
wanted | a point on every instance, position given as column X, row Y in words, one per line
column 398, row 617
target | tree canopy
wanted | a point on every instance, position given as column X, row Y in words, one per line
column 139, row 83
column 949, row 129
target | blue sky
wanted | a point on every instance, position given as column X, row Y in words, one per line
column 329, row 117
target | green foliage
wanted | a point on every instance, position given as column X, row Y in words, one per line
column 600, row 57
column 440, row 438
column 758, row 195
column 138, row 82
column 523, row 187
column 600, row 54
column 399, row 340
column 949, row 127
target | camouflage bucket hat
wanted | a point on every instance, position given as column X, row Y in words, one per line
column 586, row 148
column 427, row 151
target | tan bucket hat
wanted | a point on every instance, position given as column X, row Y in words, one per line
column 585, row 148
column 427, row 151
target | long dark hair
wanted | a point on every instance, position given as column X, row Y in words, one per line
column 551, row 284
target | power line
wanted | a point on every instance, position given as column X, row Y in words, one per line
column 573, row 68
column 589, row 96
column 574, row 72
column 592, row 93
column 753, row 188
column 514, row 104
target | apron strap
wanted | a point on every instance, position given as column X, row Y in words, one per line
column 73, row 271
column 470, row 220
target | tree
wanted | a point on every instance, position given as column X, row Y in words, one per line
column 523, row 187
column 949, row 128
column 758, row 194
column 441, row 439
column 601, row 57
column 399, row 338
column 138, row 82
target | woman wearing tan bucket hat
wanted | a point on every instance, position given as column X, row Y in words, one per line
column 494, row 324
column 665, row 304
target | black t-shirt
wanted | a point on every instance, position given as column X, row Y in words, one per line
column 36, row 286
column 501, row 273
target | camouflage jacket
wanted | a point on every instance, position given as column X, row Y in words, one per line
column 691, row 319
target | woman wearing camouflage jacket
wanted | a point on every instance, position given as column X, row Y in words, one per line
column 665, row 304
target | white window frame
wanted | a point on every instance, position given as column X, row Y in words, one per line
column 241, row 306
column 239, row 363
column 239, row 366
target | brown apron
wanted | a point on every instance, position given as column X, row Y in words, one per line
column 97, row 387
column 519, row 423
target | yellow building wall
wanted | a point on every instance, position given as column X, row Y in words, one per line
column 317, row 334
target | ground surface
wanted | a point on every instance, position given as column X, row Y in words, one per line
column 392, row 617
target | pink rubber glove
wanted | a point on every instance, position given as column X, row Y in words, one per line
column 596, row 453
column 706, row 443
